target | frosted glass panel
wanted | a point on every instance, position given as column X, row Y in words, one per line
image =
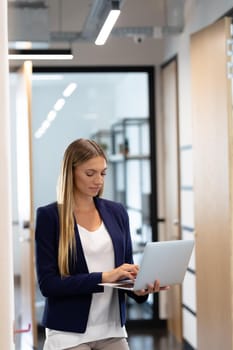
column 145, row 139
column 135, row 225
column 119, row 169
column 132, row 96
column 146, row 178
column 187, row 167
column 189, row 291
column 133, row 197
column 190, row 328
column 187, row 209
column 132, row 134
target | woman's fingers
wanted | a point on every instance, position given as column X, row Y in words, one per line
column 128, row 271
column 130, row 267
column 152, row 288
column 156, row 286
column 125, row 271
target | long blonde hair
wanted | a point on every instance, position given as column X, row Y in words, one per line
column 76, row 153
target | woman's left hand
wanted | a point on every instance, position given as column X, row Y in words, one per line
column 151, row 288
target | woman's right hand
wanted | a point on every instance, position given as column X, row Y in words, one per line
column 124, row 271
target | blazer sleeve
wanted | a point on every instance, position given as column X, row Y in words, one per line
column 49, row 279
column 129, row 255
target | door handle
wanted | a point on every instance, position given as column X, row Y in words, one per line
column 23, row 330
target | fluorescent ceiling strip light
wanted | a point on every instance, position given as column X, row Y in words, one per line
column 39, row 57
column 107, row 27
column 39, row 77
column 28, row 45
column 38, row 134
column 45, row 125
column 20, row 45
column 59, row 104
column 69, row 89
column 51, row 116
column 49, row 54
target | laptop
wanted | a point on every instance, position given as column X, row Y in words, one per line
column 166, row 261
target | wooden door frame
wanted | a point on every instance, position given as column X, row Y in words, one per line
column 175, row 294
column 26, row 220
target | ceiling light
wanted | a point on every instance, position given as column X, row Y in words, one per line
column 69, row 89
column 59, row 104
column 39, row 133
column 51, row 115
column 39, row 77
column 45, row 124
column 20, row 45
column 108, row 24
column 39, row 54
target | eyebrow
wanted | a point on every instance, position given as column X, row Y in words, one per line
column 95, row 169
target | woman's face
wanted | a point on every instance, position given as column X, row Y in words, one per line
column 89, row 177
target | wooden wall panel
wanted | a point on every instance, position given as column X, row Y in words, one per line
column 212, row 186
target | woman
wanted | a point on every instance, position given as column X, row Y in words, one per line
column 83, row 240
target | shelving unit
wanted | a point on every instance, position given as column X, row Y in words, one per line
column 128, row 149
column 103, row 138
column 131, row 175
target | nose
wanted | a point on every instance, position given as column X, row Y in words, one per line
column 99, row 179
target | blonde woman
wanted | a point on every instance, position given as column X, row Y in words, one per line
column 83, row 240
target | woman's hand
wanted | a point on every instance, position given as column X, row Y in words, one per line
column 151, row 288
column 125, row 271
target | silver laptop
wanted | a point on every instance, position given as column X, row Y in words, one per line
column 166, row 261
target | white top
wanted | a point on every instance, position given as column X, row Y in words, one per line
column 104, row 316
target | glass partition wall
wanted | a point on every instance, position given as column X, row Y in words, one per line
column 115, row 108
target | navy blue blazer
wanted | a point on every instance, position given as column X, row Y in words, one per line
column 68, row 299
